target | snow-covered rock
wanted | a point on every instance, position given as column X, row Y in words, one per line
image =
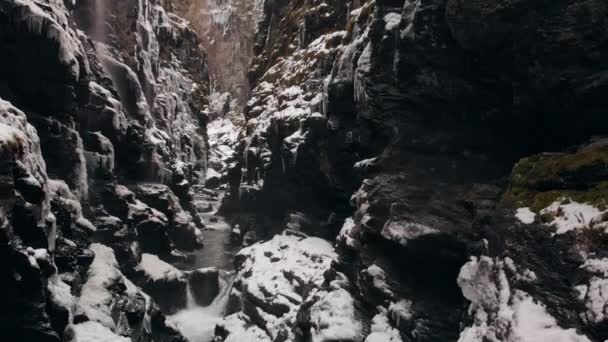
column 275, row 278
column 503, row 313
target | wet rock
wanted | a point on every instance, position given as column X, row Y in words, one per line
column 204, row 285
column 213, row 179
column 166, row 284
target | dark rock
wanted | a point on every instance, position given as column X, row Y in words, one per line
column 166, row 284
column 204, row 285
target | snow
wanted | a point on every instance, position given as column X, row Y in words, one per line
column 211, row 173
column 381, row 330
column 60, row 292
column 596, row 300
column 392, row 21
column 504, row 314
column 571, row 216
column 401, row 311
column 332, row 318
column 532, row 323
column 157, row 269
column 402, row 232
column 379, row 279
column 95, row 332
column 525, row 215
column 241, row 331
column 345, row 236
column 595, row 294
column 596, row 266
column 283, row 273
column 95, row 299
column 10, row 137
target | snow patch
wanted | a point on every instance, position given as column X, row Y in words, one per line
column 571, row 216
column 333, row 318
column 95, row 332
column 157, row 269
column 525, row 215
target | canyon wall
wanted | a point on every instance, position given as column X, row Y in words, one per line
column 452, row 148
column 103, row 114
column 228, row 27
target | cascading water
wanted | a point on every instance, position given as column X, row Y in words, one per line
column 99, row 23
column 197, row 323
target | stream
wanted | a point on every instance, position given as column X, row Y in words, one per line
column 197, row 323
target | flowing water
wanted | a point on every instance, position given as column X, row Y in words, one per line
column 197, row 323
column 218, row 250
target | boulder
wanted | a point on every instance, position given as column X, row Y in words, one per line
column 163, row 282
column 204, row 285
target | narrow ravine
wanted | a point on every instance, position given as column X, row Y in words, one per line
column 310, row 171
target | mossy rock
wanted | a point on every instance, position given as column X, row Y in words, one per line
column 582, row 176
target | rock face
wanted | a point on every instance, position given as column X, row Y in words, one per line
column 437, row 142
column 96, row 98
column 229, row 29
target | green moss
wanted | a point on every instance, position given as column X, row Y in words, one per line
column 539, row 180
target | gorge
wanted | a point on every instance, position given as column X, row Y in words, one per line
column 304, row 170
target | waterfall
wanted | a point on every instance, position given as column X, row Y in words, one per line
column 197, row 323
column 99, row 23
column 190, row 302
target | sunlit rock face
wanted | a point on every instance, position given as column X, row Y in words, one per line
column 228, row 27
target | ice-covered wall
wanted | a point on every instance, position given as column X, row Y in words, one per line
column 229, row 27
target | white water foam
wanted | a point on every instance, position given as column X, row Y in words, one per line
column 197, row 323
